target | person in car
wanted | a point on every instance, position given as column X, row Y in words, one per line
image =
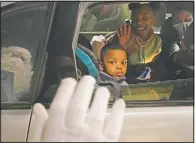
column 143, row 46
column 174, row 28
column 184, row 57
column 113, row 65
column 138, row 39
column 173, row 35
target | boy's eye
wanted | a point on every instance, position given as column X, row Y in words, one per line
column 124, row 63
column 112, row 62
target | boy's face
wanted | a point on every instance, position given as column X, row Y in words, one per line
column 115, row 63
column 142, row 19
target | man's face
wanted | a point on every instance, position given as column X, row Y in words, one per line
column 142, row 19
column 115, row 63
column 184, row 16
column 181, row 21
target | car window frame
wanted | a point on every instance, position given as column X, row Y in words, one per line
column 41, row 52
column 53, row 39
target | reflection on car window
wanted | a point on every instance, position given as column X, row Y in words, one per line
column 21, row 31
column 161, row 73
column 105, row 17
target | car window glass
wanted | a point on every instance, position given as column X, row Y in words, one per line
column 100, row 22
column 21, row 32
column 108, row 17
column 105, row 17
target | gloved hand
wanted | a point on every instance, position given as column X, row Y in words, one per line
column 69, row 119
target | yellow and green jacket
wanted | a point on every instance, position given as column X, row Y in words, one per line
column 145, row 52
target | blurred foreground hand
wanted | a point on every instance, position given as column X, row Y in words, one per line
column 70, row 119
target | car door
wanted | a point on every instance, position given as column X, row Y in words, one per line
column 145, row 120
column 24, row 28
column 169, row 118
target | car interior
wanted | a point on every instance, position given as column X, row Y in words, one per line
column 87, row 64
column 165, row 89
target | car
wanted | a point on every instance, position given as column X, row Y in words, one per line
column 50, row 29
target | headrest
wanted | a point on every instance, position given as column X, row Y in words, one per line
column 160, row 14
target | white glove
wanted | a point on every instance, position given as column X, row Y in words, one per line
column 68, row 118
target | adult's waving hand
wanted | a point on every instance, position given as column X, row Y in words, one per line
column 70, row 119
column 124, row 34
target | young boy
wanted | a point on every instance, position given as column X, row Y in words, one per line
column 113, row 65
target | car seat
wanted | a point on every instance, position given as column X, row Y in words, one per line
column 87, row 61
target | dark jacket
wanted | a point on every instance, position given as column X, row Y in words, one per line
column 103, row 77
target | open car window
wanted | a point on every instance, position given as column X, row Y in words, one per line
column 102, row 20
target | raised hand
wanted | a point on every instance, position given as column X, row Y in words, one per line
column 70, row 120
column 124, row 34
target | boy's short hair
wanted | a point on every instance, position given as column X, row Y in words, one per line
column 110, row 46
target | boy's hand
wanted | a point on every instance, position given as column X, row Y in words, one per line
column 69, row 118
column 124, row 34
